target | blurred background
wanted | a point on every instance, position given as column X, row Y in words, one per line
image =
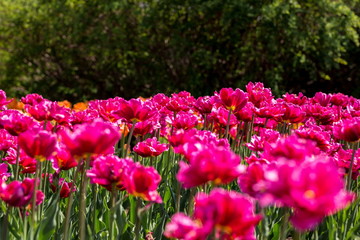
column 86, row 49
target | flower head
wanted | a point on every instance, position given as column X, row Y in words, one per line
column 3, row 100
column 230, row 213
column 184, row 120
column 110, row 171
column 62, row 159
column 97, row 137
column 4, row 174
column 227, row 214
column 142, row 182
column 37, row 143
column 233, row 100
column 151, row 147
column 347, row 129
column 186, row 228
column 18, row 194
column 209, row 164
column 258, row 93
column 133, row 111
column 65, row 187
column 15, row 122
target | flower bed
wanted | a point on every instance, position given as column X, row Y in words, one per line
column 235, row 165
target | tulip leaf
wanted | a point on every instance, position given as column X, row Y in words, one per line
column 47, row 226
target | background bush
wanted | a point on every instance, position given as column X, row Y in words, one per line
column 78, row 49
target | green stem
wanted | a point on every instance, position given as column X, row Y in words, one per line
column 191, row 201
column 5, row 227
column 17, row 162
column 264, row 224
column 129, row 140
column 121, row 145
column 228, row 125
column 284, row 223
column 151, row 161
column 137, row 221
column 112, row 211
column 25, row 227
column 349, row 177
column 70, row 201
column 177, row 206
column 297, row 235
column 82, row 208
column 33, row 199
column 95, row 192
column 44, row 183
column 205, row 121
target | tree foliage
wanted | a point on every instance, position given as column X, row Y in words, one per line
column 77, row 49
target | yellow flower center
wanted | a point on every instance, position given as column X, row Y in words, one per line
column 310, row 194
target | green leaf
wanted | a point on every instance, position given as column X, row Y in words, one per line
column 47, row 226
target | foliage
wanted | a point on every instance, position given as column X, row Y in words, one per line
column 79, row 49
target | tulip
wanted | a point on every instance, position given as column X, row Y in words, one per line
column 19, row 194
column 151, row 147
column 109, row 171
column 142, row 182
column 96, row 138
column 39, row 144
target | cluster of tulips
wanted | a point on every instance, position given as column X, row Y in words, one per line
column 237, row 165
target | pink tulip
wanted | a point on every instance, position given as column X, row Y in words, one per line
column 110, row 171
column 7, row 140
column 19, row 194
column 3, row 100
column 4, row 172
column 15, row 122
column 322, row 115
column 65, row 186
column 220, row 116
column 62, row 159
column 27, row 163
column 227, row 215
column 266, row 137
column 143, row 182
column 85, row 116
column 315, row 195
column 145, row 127
column 339, row 99
column 39, row 144
column 230, row 213
column 32, row 99
column 233, row 100
column 133, row 111
column 292, row 113
column 315, row 133
column 347, row 130
column 183, row 227
column 210, row 164
column 290, row 148
column 322, row 98
column 96, row 138
column 258, row 94
column 269, row 111
column 180, row 102
column 297, row 99
column 151, row 147
column 106, row 108
column 252, row 181
column 306, row 188
column 246, row 113
column 184, row 120
column 204, row 104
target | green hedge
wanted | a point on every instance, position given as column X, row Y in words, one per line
column 79, row 49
